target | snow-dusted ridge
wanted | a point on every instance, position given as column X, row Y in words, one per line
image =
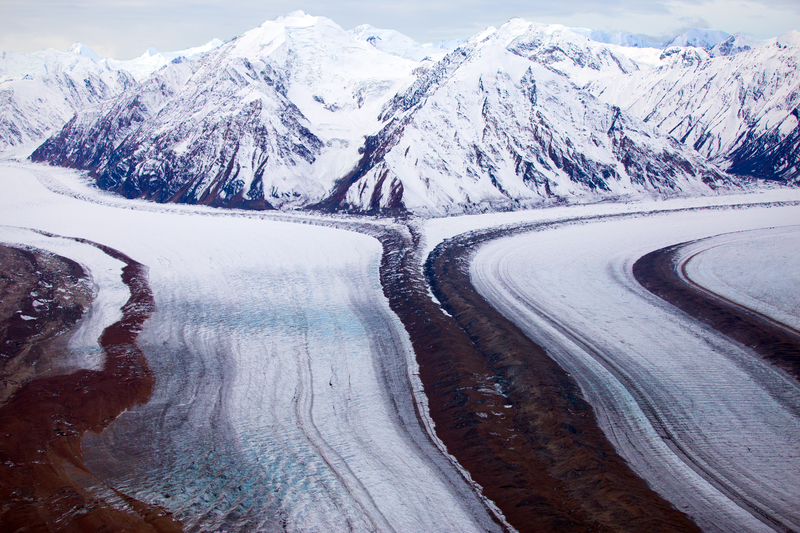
column 740, row 111
column 489, row 128
column 43, row 90
column 299, row 113
column 395, row 43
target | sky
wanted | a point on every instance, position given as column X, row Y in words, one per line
column 124, row 29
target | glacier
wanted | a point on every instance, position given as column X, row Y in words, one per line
column 261, row 181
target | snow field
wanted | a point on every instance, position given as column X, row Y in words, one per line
column 436, row 230
column 282, row 396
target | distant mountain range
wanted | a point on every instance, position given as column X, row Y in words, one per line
column 299, row 113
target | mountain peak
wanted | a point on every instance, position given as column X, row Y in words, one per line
column 395, row 43
column 298, row 19
column 620, row 39
column 790, row 38
column 85, row 51
column 699, row 38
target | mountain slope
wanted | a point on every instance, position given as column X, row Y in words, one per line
column 395, row 43
column 268, row 120
column 731, row 98
column 488, row 129
column 738, row 110
column 40, row 92
column 177, row 138
column 298, row 113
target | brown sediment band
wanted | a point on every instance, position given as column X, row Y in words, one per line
column 42, row 424
column 507, row 412
column 42, row 296
column 658, row 273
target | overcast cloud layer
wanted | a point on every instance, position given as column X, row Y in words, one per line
column 123, row 29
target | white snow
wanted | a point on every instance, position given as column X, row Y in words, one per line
column 395, row 43
column 706, row 422
column 152, row 60
column 702, row 38
column 283, row 380
column 43, row 90
column 436, row 230
column 710, row 103
column 338, row 82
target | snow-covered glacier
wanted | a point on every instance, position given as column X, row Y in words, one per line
column 285, row 395
column 752, row 269
column 709, row 424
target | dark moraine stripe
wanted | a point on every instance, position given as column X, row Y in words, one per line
column 507, row 412
column 658, row 273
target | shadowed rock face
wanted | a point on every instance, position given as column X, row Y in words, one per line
column 770, row 156
column 151, row 143
column 43, row 420
column 514, row 419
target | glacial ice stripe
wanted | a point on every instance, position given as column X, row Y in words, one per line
column 703, row 420
column 283, row 381
column 755, row 269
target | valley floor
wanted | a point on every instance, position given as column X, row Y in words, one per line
column 287, row 394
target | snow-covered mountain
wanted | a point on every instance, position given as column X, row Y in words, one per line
column 300, row 113
column 40, row 92
column 152, row 60
column 270, row 119
column 700, row 38
column 619, row 39
column 489, row 129
column 395, row 43
column 734, row 44
column 739, row 110
column 735, row 101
